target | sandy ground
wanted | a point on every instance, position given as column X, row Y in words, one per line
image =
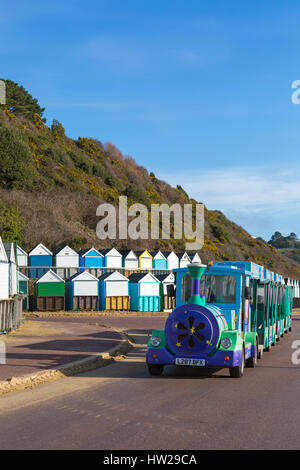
column 30, row 328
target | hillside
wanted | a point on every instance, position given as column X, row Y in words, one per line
column 51, row 185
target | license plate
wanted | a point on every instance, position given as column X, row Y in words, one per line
column 181, row 361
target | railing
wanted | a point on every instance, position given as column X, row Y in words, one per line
column 10, row 313
column 35, row 272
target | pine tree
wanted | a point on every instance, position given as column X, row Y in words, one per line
column 20, row 102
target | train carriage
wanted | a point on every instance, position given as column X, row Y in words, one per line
column 226, row 314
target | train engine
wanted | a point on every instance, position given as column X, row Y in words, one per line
column 197, row 334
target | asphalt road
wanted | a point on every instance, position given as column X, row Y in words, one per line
column 121, row 407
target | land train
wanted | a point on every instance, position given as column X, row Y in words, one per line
column 226, row 315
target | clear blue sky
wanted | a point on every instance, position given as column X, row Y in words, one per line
column 197, row 91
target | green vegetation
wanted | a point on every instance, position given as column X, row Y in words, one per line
column 289, row 242
column 11, row 224
column 20, row 102
column 16, row 163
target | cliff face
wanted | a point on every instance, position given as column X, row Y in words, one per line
column 51, row 186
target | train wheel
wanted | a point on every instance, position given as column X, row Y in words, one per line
column 252, row 361
column 268, row 348
column 155, row 369
column 238, row 371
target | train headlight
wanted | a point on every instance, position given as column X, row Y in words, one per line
column 155, row 341
column 226, row 343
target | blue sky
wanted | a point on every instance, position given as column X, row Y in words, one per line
column 197, row 91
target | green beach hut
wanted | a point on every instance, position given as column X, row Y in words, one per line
column 50, row 292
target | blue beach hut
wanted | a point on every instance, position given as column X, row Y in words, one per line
column 159, row 260
column 90, row 258
column 144, row 291
column 40, row 261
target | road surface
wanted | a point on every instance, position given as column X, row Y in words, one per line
column 121, row 407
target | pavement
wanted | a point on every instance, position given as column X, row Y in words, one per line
column 41, row 344
column 122, row 407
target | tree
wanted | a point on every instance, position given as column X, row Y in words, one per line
column 57, row 128
column 279, row 241
column 20, row 102
column 17, row 168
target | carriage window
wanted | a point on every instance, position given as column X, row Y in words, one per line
column 261, row 297
column 186, row 287
column 216, row 289
column 219, row 289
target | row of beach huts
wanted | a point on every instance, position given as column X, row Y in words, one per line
column 111, row 291
column 91, row 279
column 40, row 259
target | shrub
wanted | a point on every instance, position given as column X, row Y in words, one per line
column 219, row 232
column 11, row 224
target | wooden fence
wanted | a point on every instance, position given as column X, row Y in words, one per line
column 10, row 313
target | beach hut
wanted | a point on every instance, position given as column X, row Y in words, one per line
column 112, row 258
column 172, row 260
column 113, row 291
column 82, row 292
column 50, row 292
column 11, row 253
column 92, row 260
column 144, row 291
column 23, row 288
column 130, row 259
column 167, row 291
column 40, row 257
column 159, row 260
column 22, row 257
column 194, row 257
column 66, row 261
column 145, row 259
column 184, row 259
column 4, row 273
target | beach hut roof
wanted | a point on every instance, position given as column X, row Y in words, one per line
column 86, row 251
column 140, row 253
column 3, row 255
column 114, row 276
column 164, row 277
column 50, row 276
column 22, row 252
column 22, row 277
column 126, row 253
column 10, row 249
column 84, row 276
column 157, row 254
column 137, row 277
column 182, row 254
column 112, row 251
column 62, row 248
column 40, row 249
